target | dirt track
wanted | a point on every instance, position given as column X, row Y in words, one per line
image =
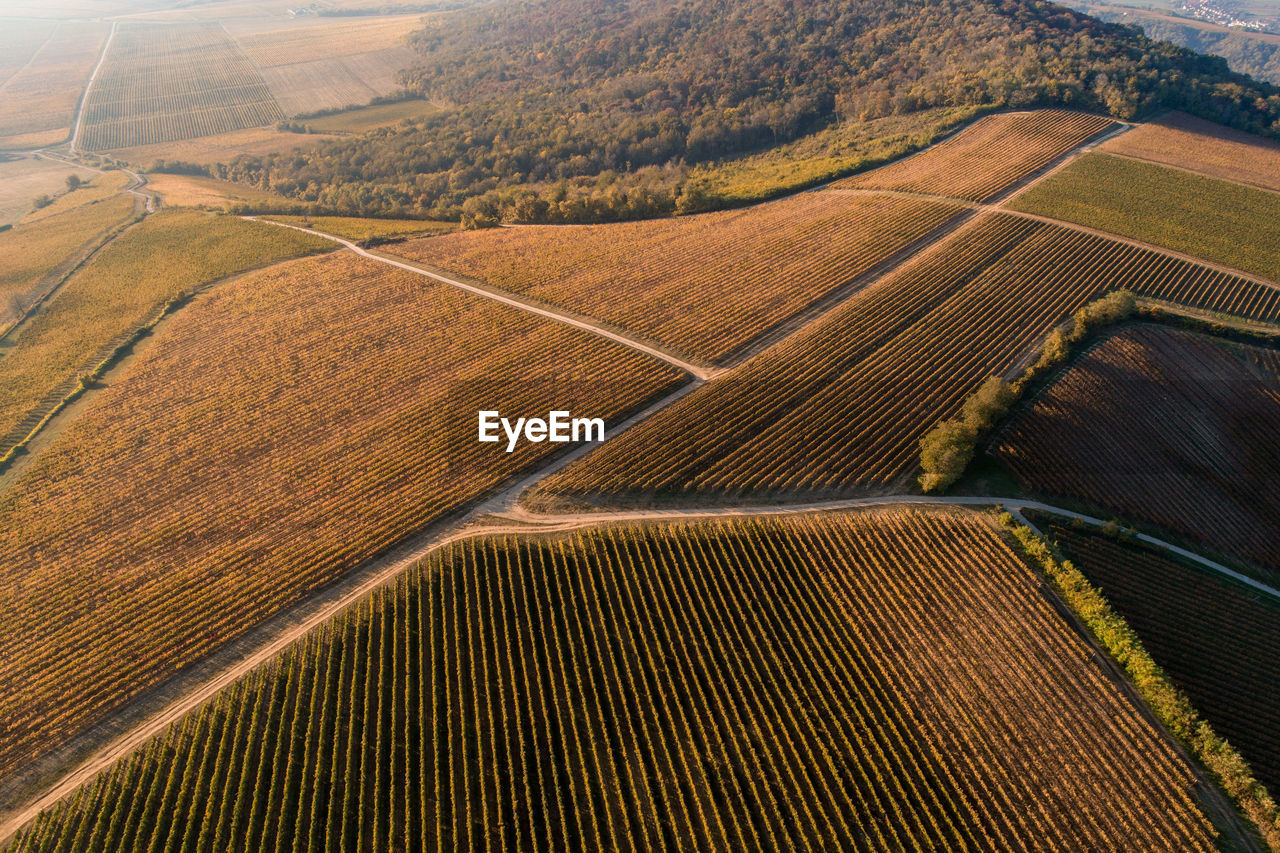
column 101, row 746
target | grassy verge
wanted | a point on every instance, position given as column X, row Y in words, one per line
column 1174, row 710
column 1216, row 220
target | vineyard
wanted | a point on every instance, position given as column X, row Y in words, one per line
column 357, row 228
column 703, row 285
column 167, row 82
column 332, row 65
column 840, row 408
column 40, row 96
column 1166, row 207
column 35, row 255
column 125, row 285
column 1219, row 641
column 279, row 431
column 1190, row 143
column 988, row 158
column 1165, row 427
column 889, row 681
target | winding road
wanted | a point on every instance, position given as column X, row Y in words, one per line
column 98, row 748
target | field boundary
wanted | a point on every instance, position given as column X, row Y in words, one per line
column 262, row 643
column 84, row 93
column 568, row 319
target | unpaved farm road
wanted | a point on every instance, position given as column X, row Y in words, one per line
column 511, row 521
column 698, row 371
column 98, row 748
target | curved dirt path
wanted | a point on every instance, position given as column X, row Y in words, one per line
column 265, row 646
column 98, row 748
column 696, row 370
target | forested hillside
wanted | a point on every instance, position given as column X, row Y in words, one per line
column 573, row 110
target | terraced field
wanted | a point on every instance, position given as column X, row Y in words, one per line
column 333, row 396
column 703, row 285
column 889, row 681
column 1216, row 220
column 1219, row 641
column 163, row 82
column 1164, row 427
column 126, row 285
column 43, row 69
column 989, row 157
column 839, row 409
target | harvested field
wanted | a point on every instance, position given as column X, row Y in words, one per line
column 276, row 433
column 334, row 64
column 703, row 285
column 41, row 95
column 162, row 82
column 1219, row 221
column 1211, row 149
column 839, row 408
column 1218, row 641
column 887, row 681
column 199, row 191
column 988, row 158
column 33, row 255
column 1166, row 427
column 124, row 286
column 24, row 178
column 223, row 148
column 96, row 187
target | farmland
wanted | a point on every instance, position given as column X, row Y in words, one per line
column 96, row 187
column 162, row 82
column 126, row 284
column 1219, row 641
column 34, row 255
column 1190, row 143
column 362, row 119
column 23, row 179
column 334, row 64
column 356, row 228
column 988, row 158
column 333, row 396
column 1166, row 427
column 839, row 408
column 40, row 87
column 886, row 681
column 703, row 285
column 1166, row 207
column 210, row 193
column 253, row 141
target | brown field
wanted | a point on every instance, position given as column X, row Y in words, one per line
column 334, row 396
column 704, row 285
column 222, row 148
column 988, row 158
column 334, row 64
column 24, row 178
column 1190, row 143
column 123, row 286
column 33, row 255
column 839, row 409
column 1165, row 427
column 162, row 82
column 886, row 681
column 199, row 191
column 40, row 97
column 1217, row 640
